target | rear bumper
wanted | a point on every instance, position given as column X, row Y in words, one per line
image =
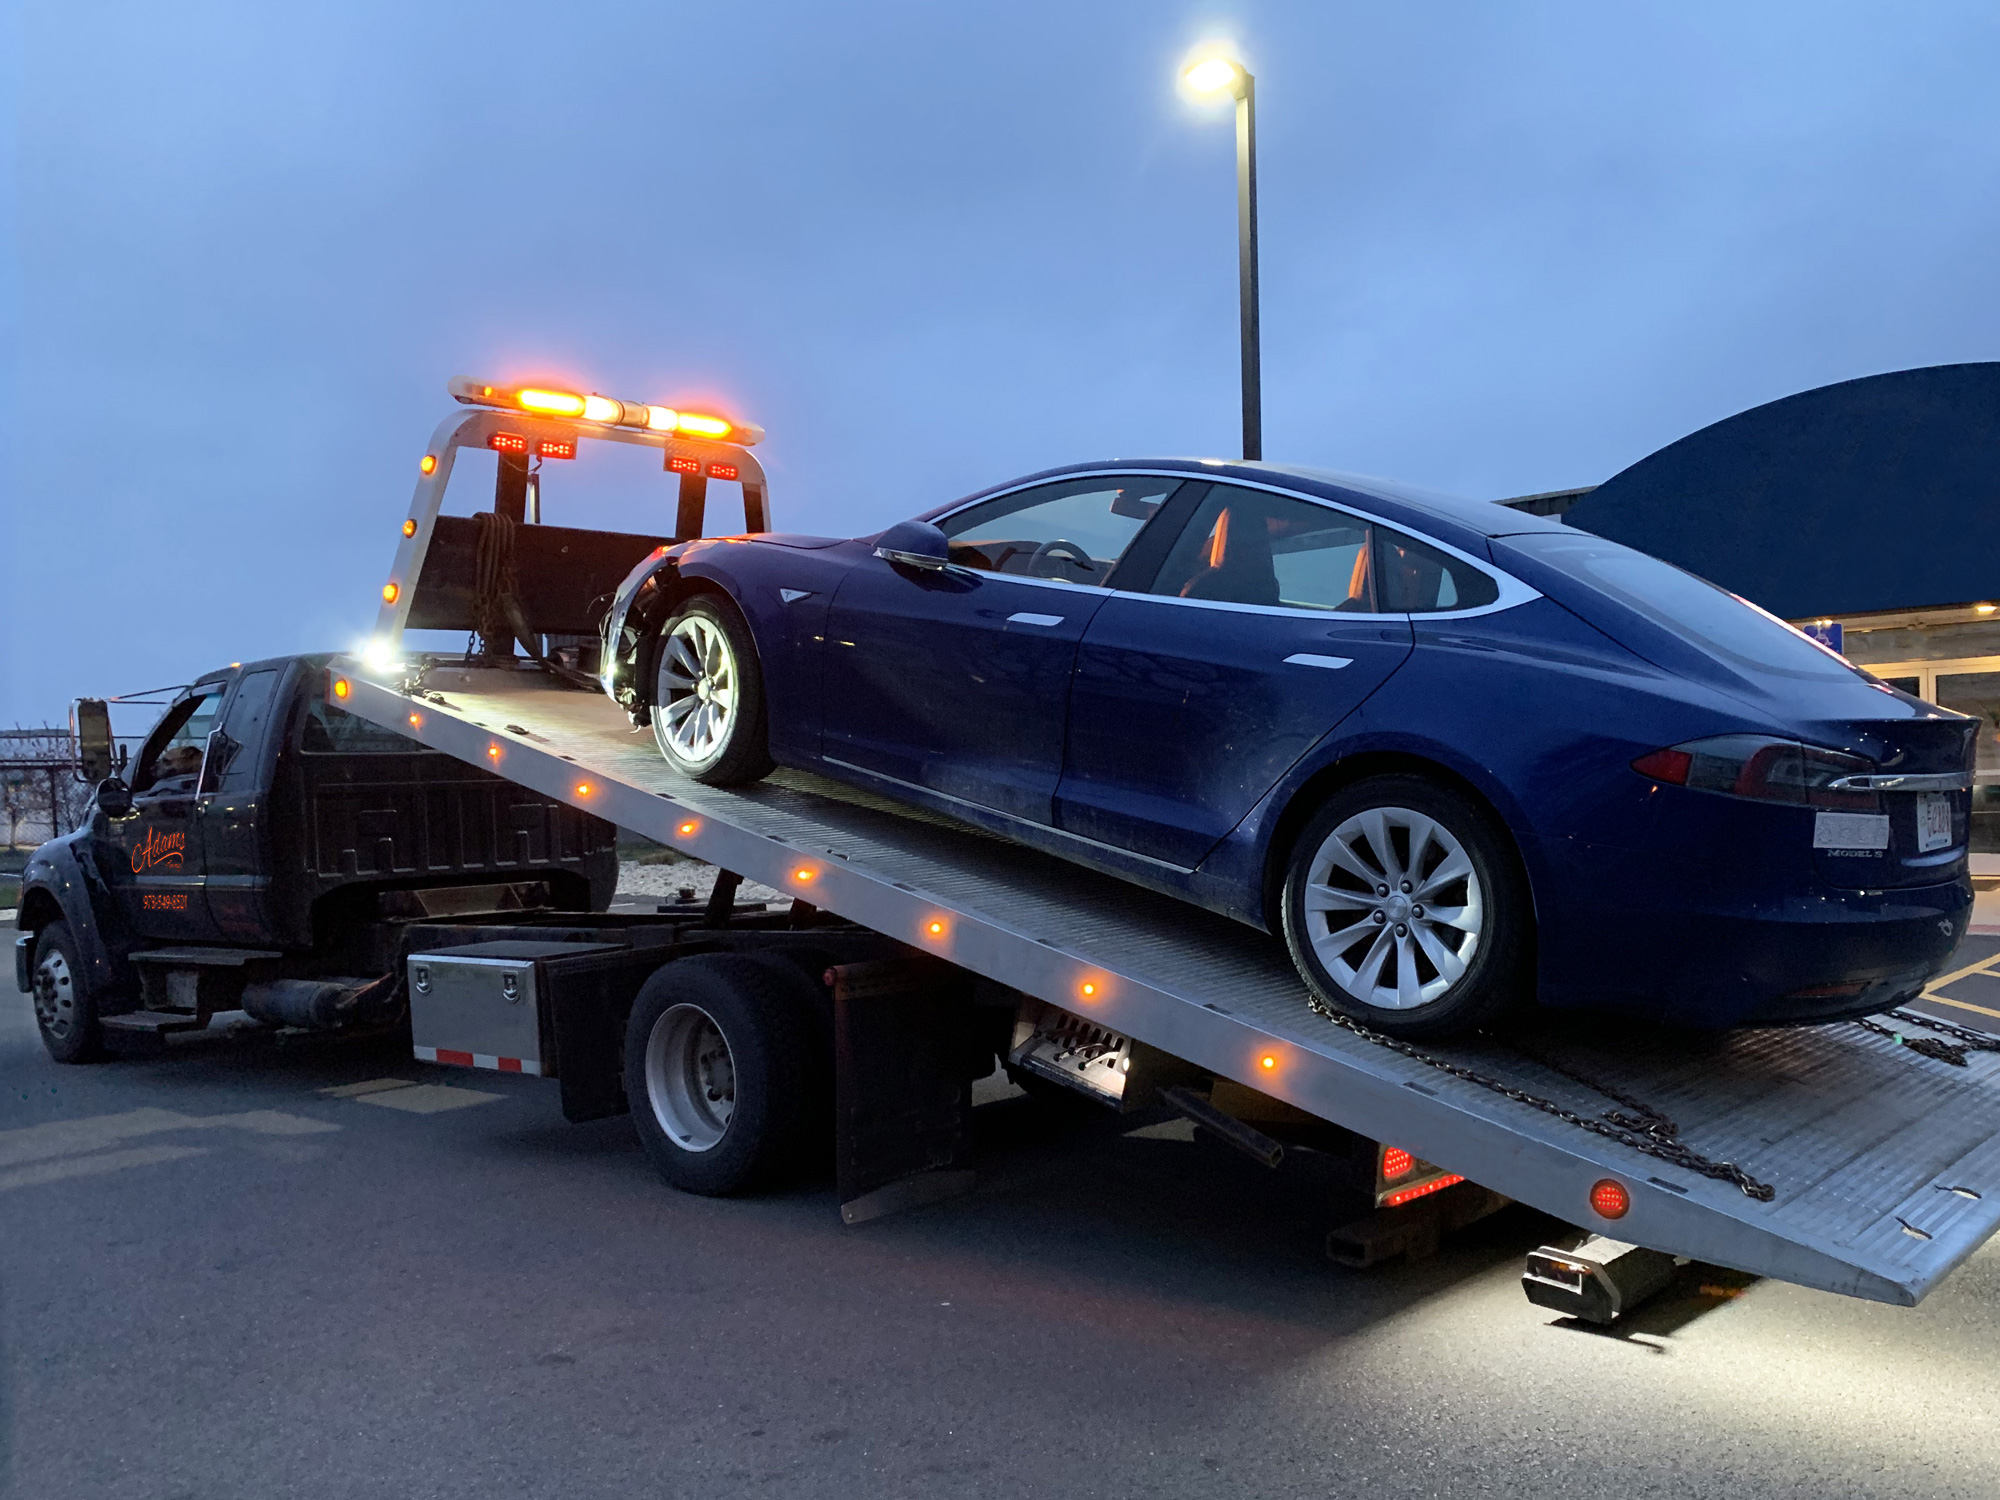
column 1829, row 955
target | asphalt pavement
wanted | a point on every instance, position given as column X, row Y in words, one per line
column 326, row 1270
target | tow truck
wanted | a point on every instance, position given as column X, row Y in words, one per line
column 390, row 836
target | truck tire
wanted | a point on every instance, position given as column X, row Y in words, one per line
column 1405, row 908
column 65, row 1009
column 708, row 695
column 728, row 1072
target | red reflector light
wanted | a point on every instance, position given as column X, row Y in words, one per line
column 684, row 465
column 1610, row 1200
column 557, row 447
column 1422, row 1190
column 722, row 471
column 508, row 442
column 1665, row 765
column 1396, row 1162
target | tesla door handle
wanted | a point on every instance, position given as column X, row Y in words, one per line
column 1307, row 659
column 1025, row 619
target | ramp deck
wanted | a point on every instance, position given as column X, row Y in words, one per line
column 1885, row 1163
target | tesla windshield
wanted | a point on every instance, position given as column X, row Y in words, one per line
column 1692, row 608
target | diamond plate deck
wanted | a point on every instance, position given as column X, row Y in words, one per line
column 1886, row 1164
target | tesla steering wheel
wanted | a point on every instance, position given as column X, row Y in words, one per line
column 1052, row 548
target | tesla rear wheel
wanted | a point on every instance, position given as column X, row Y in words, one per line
column 1404, row 908
column 65, row 1010
column 708, row 695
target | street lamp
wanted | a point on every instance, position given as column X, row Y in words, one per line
column 1211, row 76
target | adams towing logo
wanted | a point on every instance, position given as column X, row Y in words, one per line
column 159, row 850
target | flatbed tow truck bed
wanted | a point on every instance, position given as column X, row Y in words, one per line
column 1883, row 1162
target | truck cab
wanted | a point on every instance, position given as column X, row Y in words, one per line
column 263, row 851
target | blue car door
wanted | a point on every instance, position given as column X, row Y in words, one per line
column 957, row 680
column 1260, row 631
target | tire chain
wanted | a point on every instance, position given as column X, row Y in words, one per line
column 1638, row 1125
column 1964, row 1039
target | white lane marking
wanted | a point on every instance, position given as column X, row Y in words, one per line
column 98, row 1132
column 92, row 1166
column 1027, row 619
column 1307, row 659
column 426, row 1098
column 367, row 1086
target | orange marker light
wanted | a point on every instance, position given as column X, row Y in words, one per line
column 555, row 403
column 341, row 687
column 416, row 721
column 934, row 928
column 802, row 875
column 390, row 593
column 584, row 789
column 493, row 752
column 430, row 463
column 1088, row 989
column 687, row 828
column 1610, row 1200
column 409, row 528
column 1267, row 1062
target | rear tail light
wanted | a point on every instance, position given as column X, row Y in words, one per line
column 1763, row 769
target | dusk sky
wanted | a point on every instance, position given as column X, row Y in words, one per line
column 1507, row 247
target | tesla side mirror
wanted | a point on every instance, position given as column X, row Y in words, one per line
column 914, row 544
column 114, row 798
column 90, row 728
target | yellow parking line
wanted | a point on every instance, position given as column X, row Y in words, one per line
column 1957, row 974
column 1961, row 1005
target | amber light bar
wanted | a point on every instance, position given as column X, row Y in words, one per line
column 604, row 411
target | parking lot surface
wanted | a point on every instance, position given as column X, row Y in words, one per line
column 326, row 1270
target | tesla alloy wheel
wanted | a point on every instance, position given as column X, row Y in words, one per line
column 1405, row 909
column 708, row 695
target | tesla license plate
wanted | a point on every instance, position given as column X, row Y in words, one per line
column 1933, row 821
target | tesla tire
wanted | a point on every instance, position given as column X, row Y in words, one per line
column 708, row 695
column 1405, row 908
column 65, row 1009
column 728, row 1072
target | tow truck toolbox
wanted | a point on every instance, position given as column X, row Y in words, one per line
column 916, row 952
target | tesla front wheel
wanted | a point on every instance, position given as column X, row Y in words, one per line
column 708, row 695
column 1405, row 908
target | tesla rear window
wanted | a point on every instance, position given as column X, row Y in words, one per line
column 1690, row 607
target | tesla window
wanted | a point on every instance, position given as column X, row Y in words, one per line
column 1418, row 578
column 1074, row 531
column 1250, row 547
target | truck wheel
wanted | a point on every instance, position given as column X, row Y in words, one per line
column 708, row 695
column 727, row 1072
column 1405, row 908
column 65, row 1010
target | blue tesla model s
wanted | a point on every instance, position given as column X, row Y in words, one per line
column 1457, row 755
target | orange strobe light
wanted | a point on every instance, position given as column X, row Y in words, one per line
column 1610, row 1200
column 390, row 593
column 555, row 403
column 409, row 528
column 430, row 463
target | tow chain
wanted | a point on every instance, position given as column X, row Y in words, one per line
column 1638, row 1125
column 1953, row 1052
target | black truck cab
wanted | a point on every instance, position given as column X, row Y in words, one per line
column 263, row 853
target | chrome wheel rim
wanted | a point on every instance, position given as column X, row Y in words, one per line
column 690, row 1077
column 1393, row 908
column 55, row 995
column 696, row 700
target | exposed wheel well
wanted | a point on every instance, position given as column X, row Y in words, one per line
column 649, row 636
column 1342, row 773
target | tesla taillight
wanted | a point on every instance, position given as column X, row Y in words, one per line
column 1763, row 769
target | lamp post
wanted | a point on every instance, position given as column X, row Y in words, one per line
column 1211, row 76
